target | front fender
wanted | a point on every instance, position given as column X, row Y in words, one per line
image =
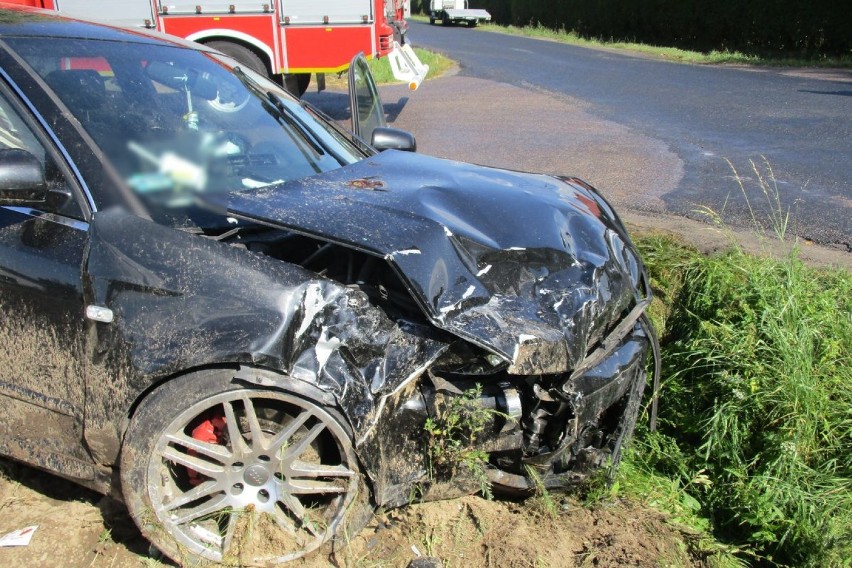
column 181, row 301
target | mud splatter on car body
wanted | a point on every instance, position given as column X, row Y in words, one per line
column 234, row 306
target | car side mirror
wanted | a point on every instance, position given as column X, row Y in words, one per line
column 21, row 178
column 385, row 138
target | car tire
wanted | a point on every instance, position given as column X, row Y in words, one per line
column 216, row 470
column 431, row 20
column 242, row 54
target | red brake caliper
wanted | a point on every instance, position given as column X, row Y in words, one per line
column 211, row 431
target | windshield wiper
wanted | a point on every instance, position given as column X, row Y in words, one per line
column 276, row 107
column 294, row 122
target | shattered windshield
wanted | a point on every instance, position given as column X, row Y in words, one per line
column 178, row 124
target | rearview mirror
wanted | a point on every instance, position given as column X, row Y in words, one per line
column 21, row 178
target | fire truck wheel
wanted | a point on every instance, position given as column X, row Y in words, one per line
column 242, row 54
column 297, row 83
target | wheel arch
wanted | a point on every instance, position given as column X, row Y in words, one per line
column 239, row 38
column 254, row 376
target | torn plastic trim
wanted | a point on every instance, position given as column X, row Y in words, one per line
column 592, row 394
column 577, row 456
column 568, row 404
column 579, row 472
column 260, row 377
column 380, row 407
column 612, row 340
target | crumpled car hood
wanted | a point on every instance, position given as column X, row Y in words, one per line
column 533, row 268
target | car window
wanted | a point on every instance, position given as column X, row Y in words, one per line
column 178, row 124
column 367, row 110
column 15, row 134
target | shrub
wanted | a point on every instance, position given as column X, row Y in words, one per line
column 759, row 27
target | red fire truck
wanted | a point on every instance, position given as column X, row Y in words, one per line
column 286, row 39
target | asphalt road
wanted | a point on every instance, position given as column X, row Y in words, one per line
column 800, row 121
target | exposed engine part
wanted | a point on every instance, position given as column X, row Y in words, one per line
column 535, row 424
column 510, row 399
column 550, row 418
column 503, row 432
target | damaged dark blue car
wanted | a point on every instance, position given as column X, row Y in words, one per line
column 214, row 302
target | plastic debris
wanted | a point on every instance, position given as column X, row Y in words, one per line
column 20, row 537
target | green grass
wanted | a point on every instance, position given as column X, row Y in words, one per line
column 381, row 70
column 666, row 53
column 438, row 65
column 452, row 439
column 755, row 440
column 753, row 457
column 755, row 443
column 673, row 494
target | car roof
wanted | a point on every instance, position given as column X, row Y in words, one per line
column 23, row 21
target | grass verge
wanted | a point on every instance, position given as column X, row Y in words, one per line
column 755, row 438
column 666, row 53
column 382, row 74
column 438, row 65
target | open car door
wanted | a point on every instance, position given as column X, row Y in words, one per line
column 367, row 110
column 368, row 113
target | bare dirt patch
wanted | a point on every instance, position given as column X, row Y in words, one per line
column 76, row 527
column 472, row 531
column 81, row 529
